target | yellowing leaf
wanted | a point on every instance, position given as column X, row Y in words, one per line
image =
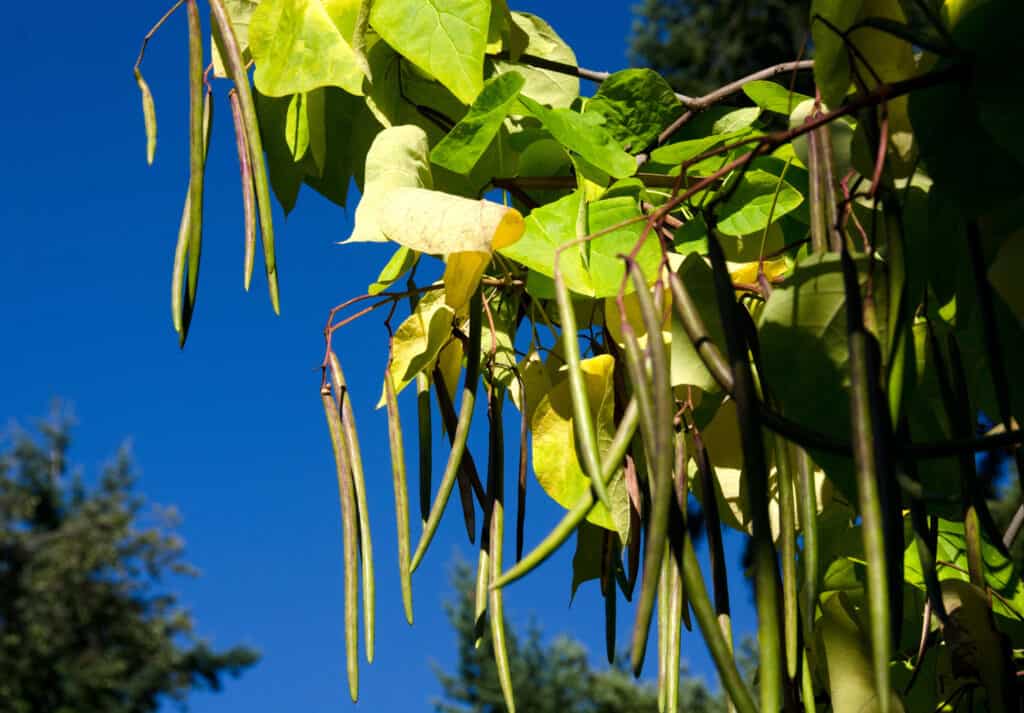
column 746, row 273
column 555, row 460
column 848, row 659
column 465, row 230
column 419, row 339
column 397, row 158
column 300, row 45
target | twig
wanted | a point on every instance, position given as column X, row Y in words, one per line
column 153, row 30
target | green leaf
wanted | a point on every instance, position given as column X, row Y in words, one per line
column 543, row 85
column 773, row 97
column 1004, row 273
column 687, row 367
column 285, row 174
column 584, row 134
column 637, row 104
column 1000, row 573
column 848, row 658
column 240, row 13
column 758, row 201
column 397, row 159
column 334, row 142
column 587, row 560
column 300, row 45
column 419, row 339
column 606, row 268
column 736, row 120
column 446, row 40
column 803, row 332
column 685, row 150
column 463, row 146
column 831, row 56
column 555, row 460
column 401, row 262
column 592, row 268
column 547, row 228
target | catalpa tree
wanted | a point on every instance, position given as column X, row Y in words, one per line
column 790, row 308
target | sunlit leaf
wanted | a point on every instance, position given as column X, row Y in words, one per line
column 771, row 96
column 637, row 104
column 584, row 134
column 759, row 200
column 300, row 45
column 401, row 262
column 546, row 86
column 419, row 339
column 446, row 41
column 397, row 158
column 463, row 146
column 554, row 451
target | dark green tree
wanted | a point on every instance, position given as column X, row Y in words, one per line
column 84, row 627
column 554, row 677
column 699, row 46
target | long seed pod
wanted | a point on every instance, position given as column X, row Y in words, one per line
column 426, row 441
column 468, row 477
column 869, row 462
column 348, row 425
column 496, row 477
column 635, row 524
column 462, row 476
column 461, row 430
column 676, row 603
column 350, row 535
column 148, row 115
column 401, row 494
column 721, row 651
column 609, row 562
column 807, row 505
column 716, row 544
column 819, row 223
column 197, row 153
column 755, row 470
column 663, row 615
column 227, row 44
column 181, row 306
column 583, row 419
column 641, row 384
column 572, row 519
column 787, row 545
column 481, row 593
column 661, row 468
column 521, row 485
column 807, row 686
column 681, row 484
column 248, row 195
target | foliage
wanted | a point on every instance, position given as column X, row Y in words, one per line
column 800, row 327
column 554, row 676
column 84, row 625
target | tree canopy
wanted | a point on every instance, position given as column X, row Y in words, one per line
column 794, row 312
column 85, row 621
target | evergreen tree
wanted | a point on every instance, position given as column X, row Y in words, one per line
column 84, row 627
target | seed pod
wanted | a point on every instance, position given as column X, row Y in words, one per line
column 350, row 535
column 461, row 429
column 496, row 481
column 426, row 441
column 148, row 116
column 716, row 545
column 197, row 152
column 355, row 457
column 661, row 469
column 401, row 494
column 583, row 419
column 248, row 196
column 224, row 35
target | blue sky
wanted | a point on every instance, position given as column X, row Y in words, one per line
column 230, row 430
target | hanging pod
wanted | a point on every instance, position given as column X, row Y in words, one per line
column 349, row 521
column 401, row 494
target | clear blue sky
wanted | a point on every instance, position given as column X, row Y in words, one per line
column 230, row 430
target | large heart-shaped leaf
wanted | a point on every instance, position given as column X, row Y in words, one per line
column 544, row 85
column 445, row 40
column 300, row 45
column 636, row 105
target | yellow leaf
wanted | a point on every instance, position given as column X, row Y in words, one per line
column 419, row 339
column 555, row 460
